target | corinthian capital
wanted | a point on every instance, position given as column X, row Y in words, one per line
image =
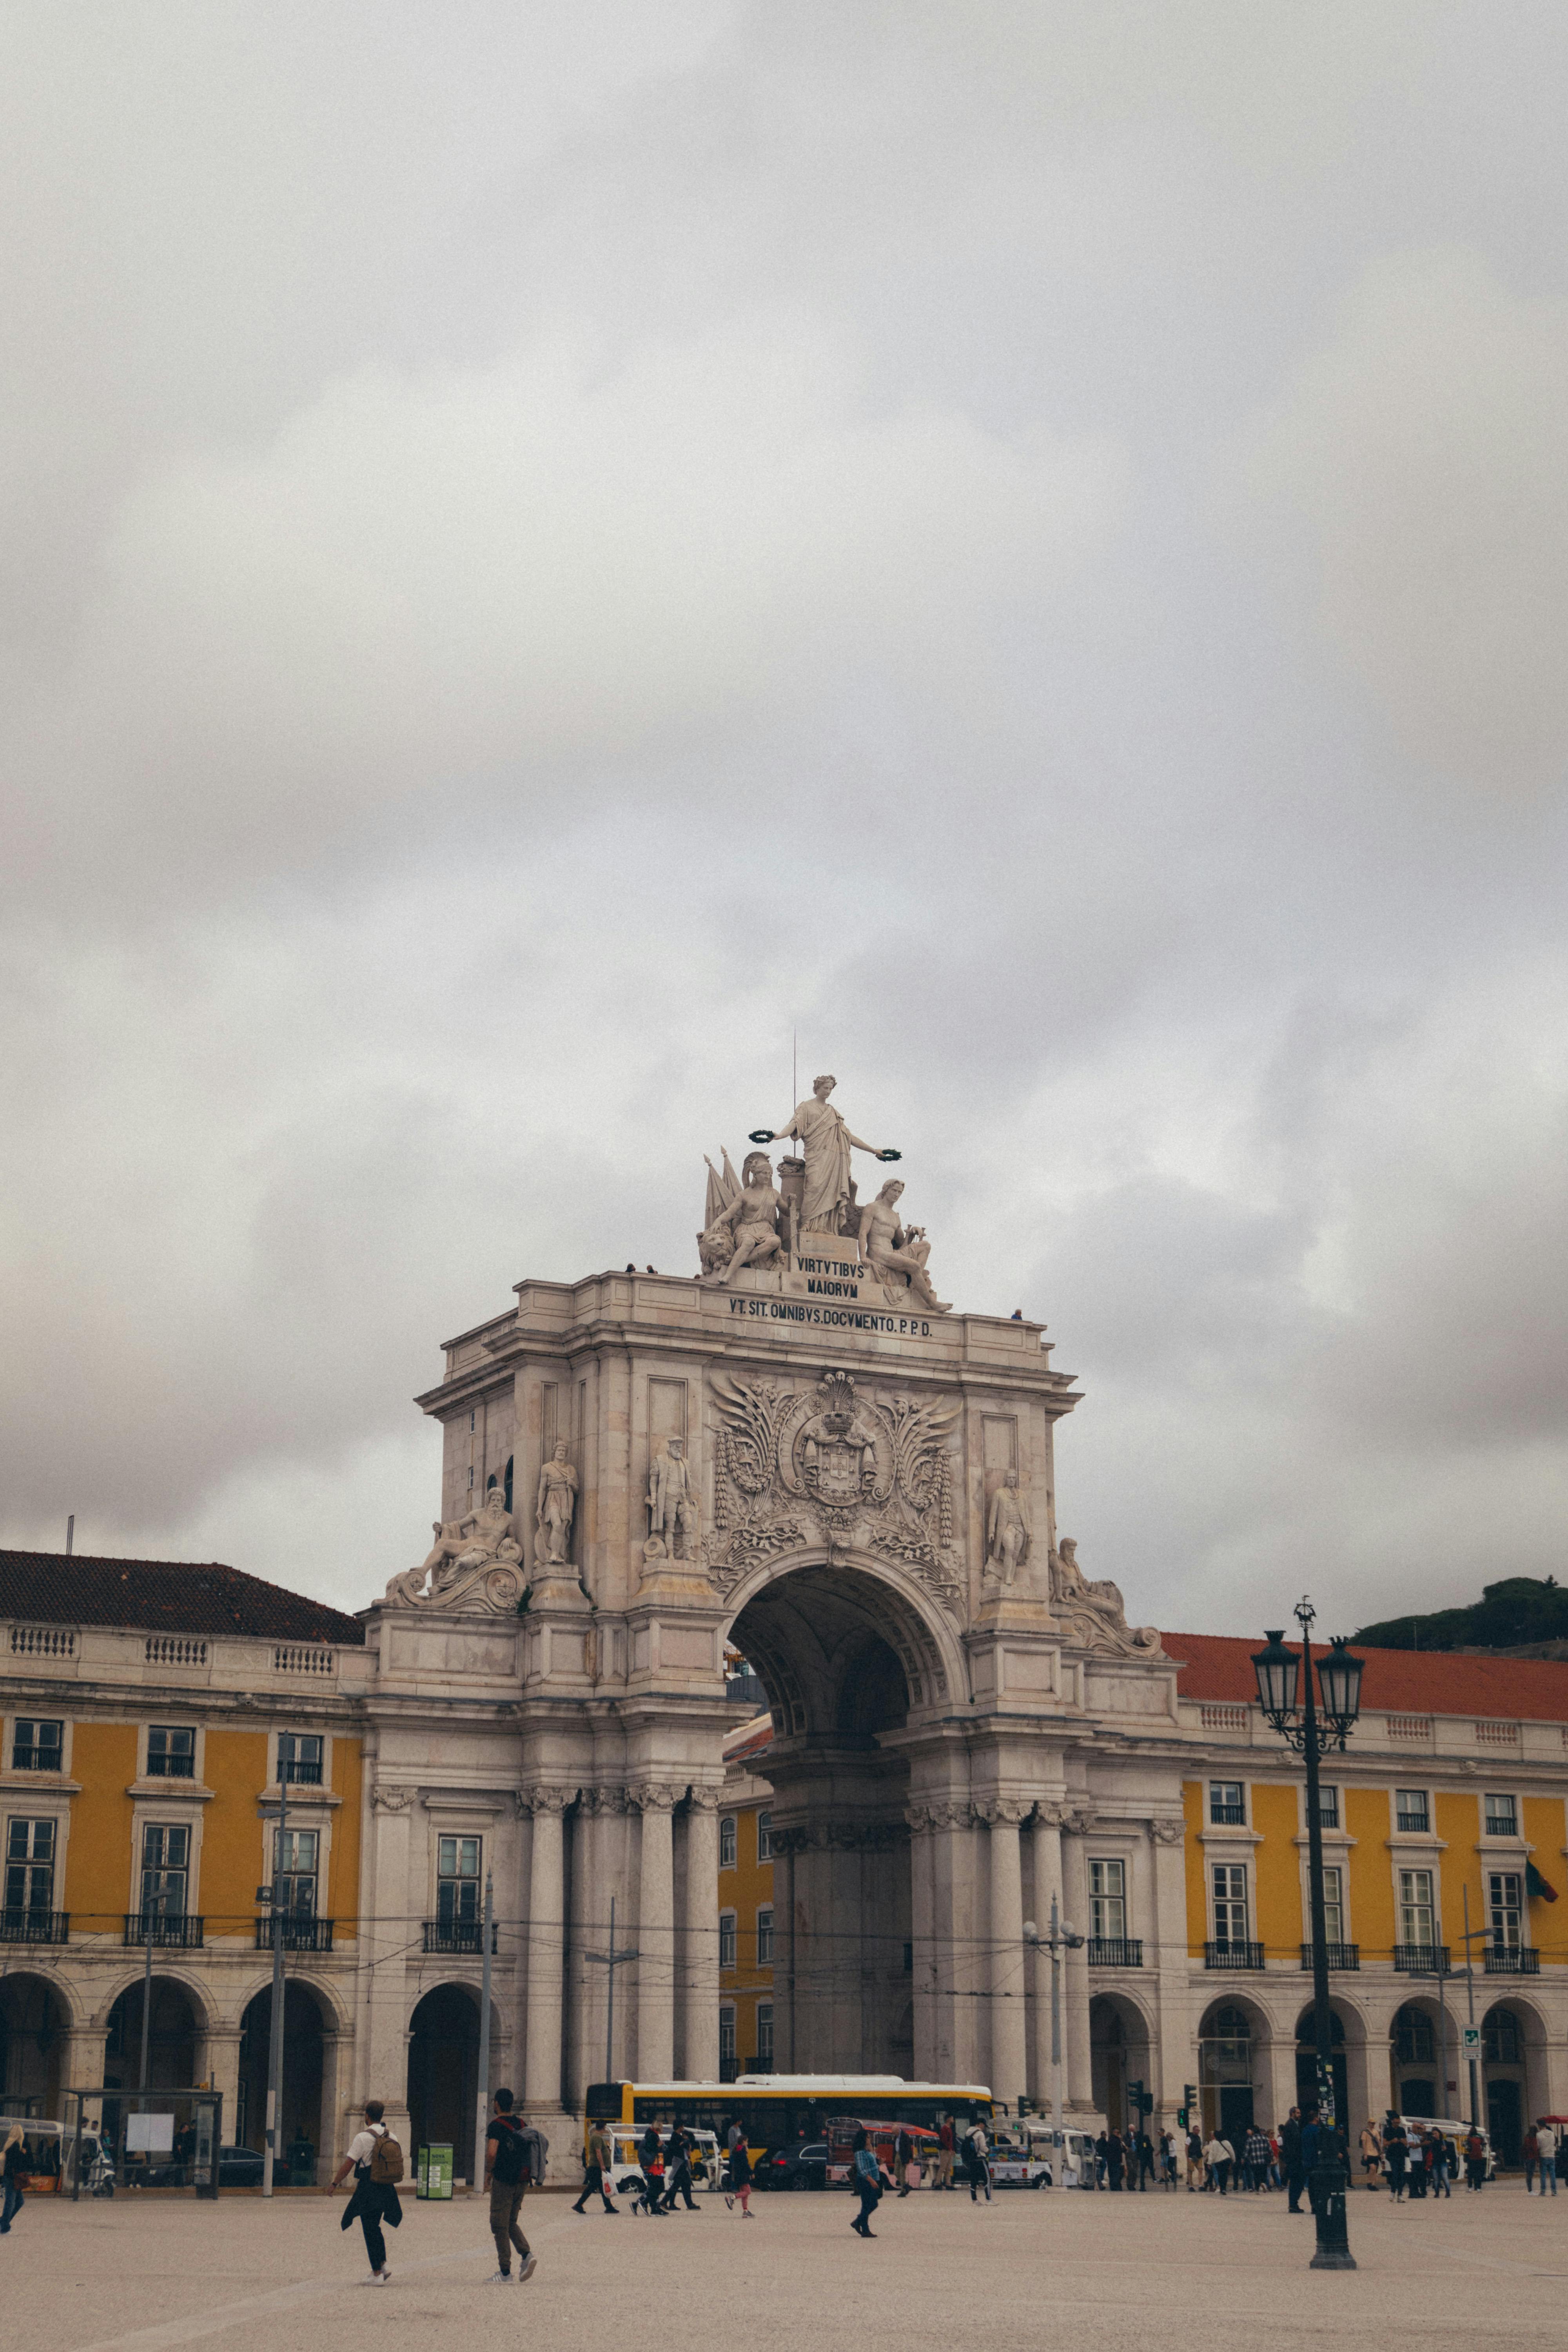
column 1000, row 1811
column 655, row 1796
column 546, row 1801
column 706, row 1800
column 1168, row 1833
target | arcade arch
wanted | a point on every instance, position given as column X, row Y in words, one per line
column 1514, row 2069
column 444, row 2070
column 1234, row 2051
column 308, row 2018
column 1119, row 2054
column 35, row 2022
column 177, row 2021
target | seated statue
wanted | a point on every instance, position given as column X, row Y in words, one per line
column 481, row 1538
column 747, row 1232
column 1096, row 1600
column 894, row 1252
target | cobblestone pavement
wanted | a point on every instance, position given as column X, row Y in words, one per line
column 1033, row 2270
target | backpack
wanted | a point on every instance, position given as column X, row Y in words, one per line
column 386, row 2162
column 511, row 2164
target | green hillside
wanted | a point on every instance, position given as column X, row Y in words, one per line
column 1519, row 1609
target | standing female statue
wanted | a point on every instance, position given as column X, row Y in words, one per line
column 826, row 1142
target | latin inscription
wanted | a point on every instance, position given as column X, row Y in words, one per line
column 838, row 1318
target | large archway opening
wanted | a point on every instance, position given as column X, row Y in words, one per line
column 171, row 2030
column 1118, row 2057
column 1233, row 2061
column 1419, row 2060
column 848, row 1664
column 34, row 2023
column 1307, row 2064
column 444, row 2072
column 299, row 2122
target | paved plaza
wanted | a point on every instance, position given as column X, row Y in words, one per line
column 1030, row 2271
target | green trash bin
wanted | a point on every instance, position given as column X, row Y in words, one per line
column 435, row 2169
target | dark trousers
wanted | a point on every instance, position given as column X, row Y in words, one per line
column 869, row 2195
column 374, row 2242
column 680, row 2186
column 1222, row 2174
column 12, row 2204
column 595, row 2181
column 506, row 2204
column 1295, row 2182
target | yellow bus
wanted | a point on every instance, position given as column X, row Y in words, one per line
column 773, row 2110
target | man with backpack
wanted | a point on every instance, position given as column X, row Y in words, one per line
column 506, row 2178
column 375, row 2160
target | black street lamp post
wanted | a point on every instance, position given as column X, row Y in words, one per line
column 1285, row 1696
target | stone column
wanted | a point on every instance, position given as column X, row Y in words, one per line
column 1046, row 1835
column 1175, row 2060
column 700, row 1989
column 1009, row 2020
column 382, row 2072
column 655, row 1801
column 546, row 1952
column 222, row 2064
column 922, row 1933
column 953, row 1892
column 1075, row 1965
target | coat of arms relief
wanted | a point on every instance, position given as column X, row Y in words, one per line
column 828, row 1465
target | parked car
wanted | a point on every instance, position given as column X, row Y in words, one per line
column 803, row 2165
column 239, row 2167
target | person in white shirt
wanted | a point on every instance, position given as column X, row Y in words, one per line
column 1546, row 2140
column 372, row 2201
column 1219, row 2156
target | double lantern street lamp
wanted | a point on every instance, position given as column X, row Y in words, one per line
column 1286, row 1696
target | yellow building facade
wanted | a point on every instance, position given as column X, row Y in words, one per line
column 746, row 1926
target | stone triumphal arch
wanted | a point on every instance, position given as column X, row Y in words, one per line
column 799, row 1448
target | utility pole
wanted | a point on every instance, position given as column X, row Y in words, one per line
column 274, row 2051
column 70, row 1534
column 1061, row 1939
column 482, row 2101
column 1470, row 2011
column 612, row 1961
column 149, row 1905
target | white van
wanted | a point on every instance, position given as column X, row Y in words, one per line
column 1456, row 2134
column 1026, row 2159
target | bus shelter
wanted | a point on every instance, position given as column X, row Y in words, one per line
column 141, row 2139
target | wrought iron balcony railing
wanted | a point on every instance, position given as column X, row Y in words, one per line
column 1512, row 1960
column 1233, row 1956
column 24, row 1925
column 182, row 1933
column 302, row 1932
column 457, row 1935
column 1422, row 1959
column 1115, row 1952
column 1340, row 1956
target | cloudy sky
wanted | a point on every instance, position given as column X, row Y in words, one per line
column 547, row 548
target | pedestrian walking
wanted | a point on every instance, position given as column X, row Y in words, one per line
column 1529, row 2153
column 1101, row 2160
column 1395, row 2154
column 1475, row 2159
column 506, row 2180
column 1219, row 2156
column 945, row 2138
column 375, row 2160
column 740, row 2179
column 868, row 2179
column 1195, row 2161
column 1145, row 2158
column 12, row 2165
column 1546, row 2151
column 976, row 2158
column 599, row 2170
column 679, row 2170
column 1442, row 2164
column 1116, row 2157
column 1254, row 2161
column 650, row 2156
column 1370, row 2152
column 904, row 2158
column 1167, row 2160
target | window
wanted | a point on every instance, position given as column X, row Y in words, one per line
column 1227, row 1802
column 165, row 1869
column 457, row 1880
column 36, row 1745
column 1328, row 1808
column 765, row 1936
column 727, row 1843
column 1413, row 2044
column 30, row 1866
column 1333, row 1908
column 726, row 2045
column 1108, row 1901
column 726, row 1940
column 296, row 1853
column 1500, row 2038
column 171, row 1753
column 1415, row 1907
column 764, row 1837
column 300, row 1754
column 1505, row 1909
column 1411, row 1810
column 764, row 2037
column 1502, row 1817
column 1229, row 1903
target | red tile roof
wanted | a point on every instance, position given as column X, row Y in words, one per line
column 750, row 1740
column 1405, row 1682
column 162, row 1596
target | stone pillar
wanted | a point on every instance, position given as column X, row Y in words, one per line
column 337, row 2052
column 656, row 1932
column 700, row 1989
column 954, row 1896
column 222, row 2070
column 1075, row 1965
column 546, row 1952
column 1046, row 1839
column 1174, row 2059
column 383, row 2071
column 1008, row 2075
column 922, row 1935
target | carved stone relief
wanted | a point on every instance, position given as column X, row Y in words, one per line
column 826, row 1465
column 474, row 1564
column 1093, row 1614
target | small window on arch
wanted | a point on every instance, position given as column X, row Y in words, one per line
column 1500, row 2038
column 727, row 1843
column 1413, row 2039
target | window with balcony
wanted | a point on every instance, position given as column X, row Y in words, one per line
column 1328, row 1808
column 165, row 1870
column 727, row 1843
column 727, row 2067
column 457, row 1880
column 764, row 2037
column 1416, row 1913
column 1333, row 1907
column 1506, row 1951
column 1501, row 2039
column 171, row 1752
column 299, row 1758
column 1227, row 1803
column 1230, row 1907
column 1502, row 1817
column 764, row 1837
column 765, row 1936
column 1108, row 1901
column 29, row 1867
column 36, row 1745
column 295, row 1853
column 1412, row 1813
column 726, row 1940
